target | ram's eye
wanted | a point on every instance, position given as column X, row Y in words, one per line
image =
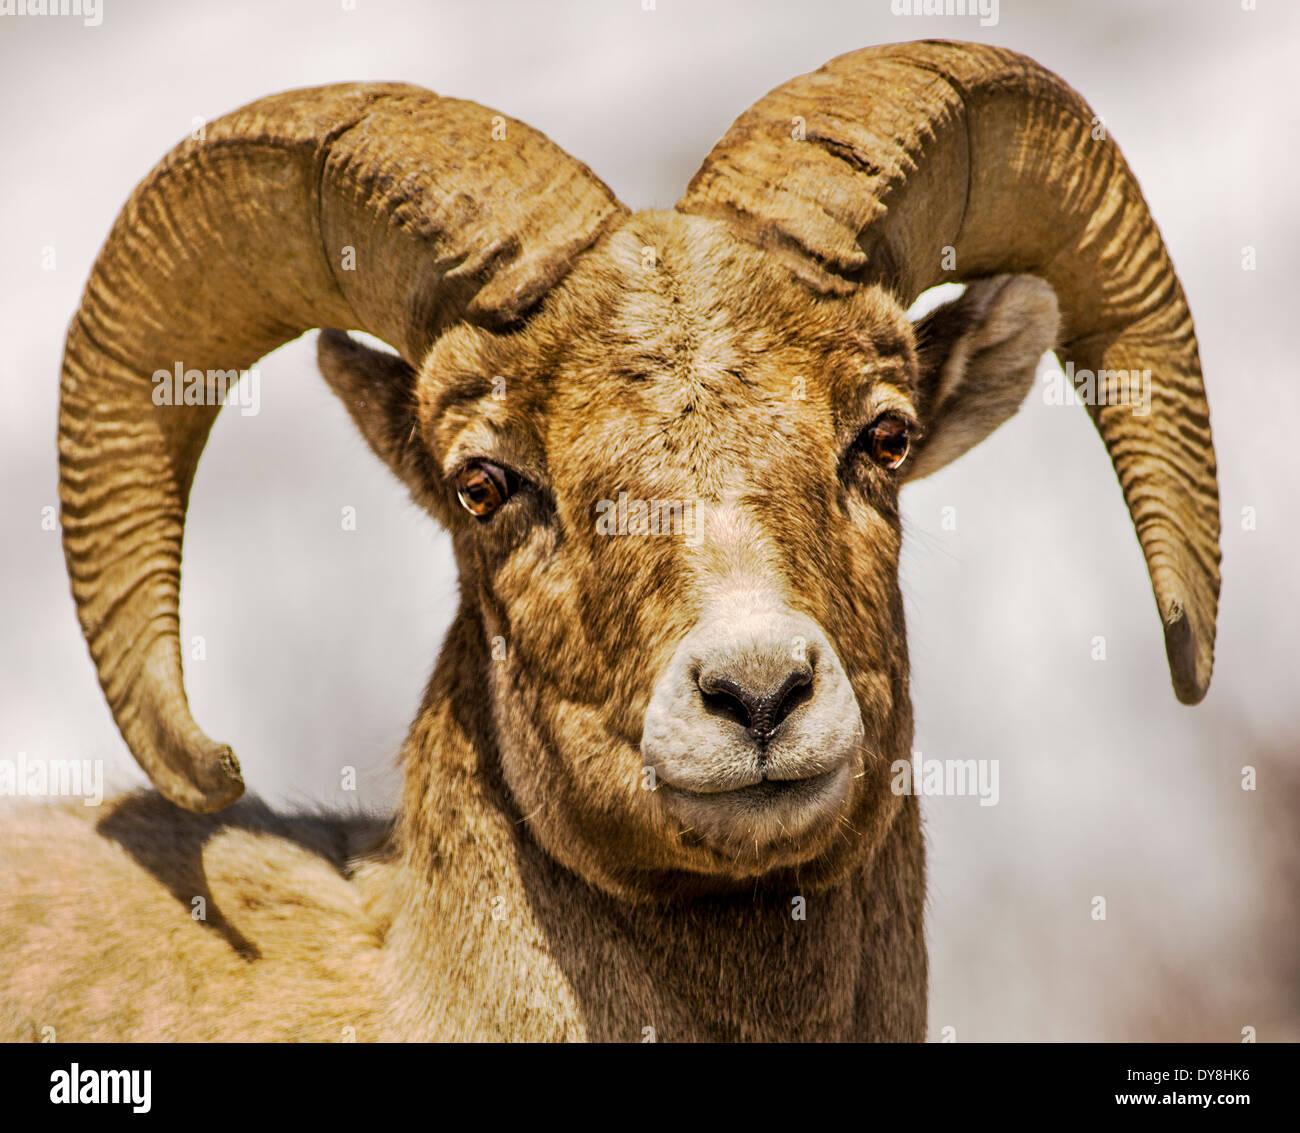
column 886, row 440
column 483, row 487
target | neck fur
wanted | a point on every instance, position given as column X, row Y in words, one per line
column 490, row 937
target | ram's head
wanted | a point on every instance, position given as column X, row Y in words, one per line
column 668, row 445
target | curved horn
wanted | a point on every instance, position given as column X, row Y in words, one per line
column 374, row 206
column 888, row 161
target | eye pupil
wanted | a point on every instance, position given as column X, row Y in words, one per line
column 482, row 488
column 888, row 442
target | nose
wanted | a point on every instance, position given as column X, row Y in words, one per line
column 757, row 688
column 753, row 727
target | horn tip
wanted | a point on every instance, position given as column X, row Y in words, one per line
column 1191, row 661
column 213, row 781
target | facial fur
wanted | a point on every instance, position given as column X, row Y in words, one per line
column 653, row 372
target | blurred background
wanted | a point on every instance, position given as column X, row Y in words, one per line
column 316, row 642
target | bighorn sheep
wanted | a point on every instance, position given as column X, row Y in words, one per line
column 747, row 353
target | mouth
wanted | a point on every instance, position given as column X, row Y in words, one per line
column 764, row 791
column 766, row 812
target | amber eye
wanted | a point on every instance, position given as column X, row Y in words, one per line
column 886, row 440
column 483, row 487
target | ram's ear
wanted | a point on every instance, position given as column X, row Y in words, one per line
column 378, row 390
column 977, row 356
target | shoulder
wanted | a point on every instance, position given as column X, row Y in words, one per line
column 138, row 920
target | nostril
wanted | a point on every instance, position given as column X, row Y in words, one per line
column 759, row 713
column 726, row 698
